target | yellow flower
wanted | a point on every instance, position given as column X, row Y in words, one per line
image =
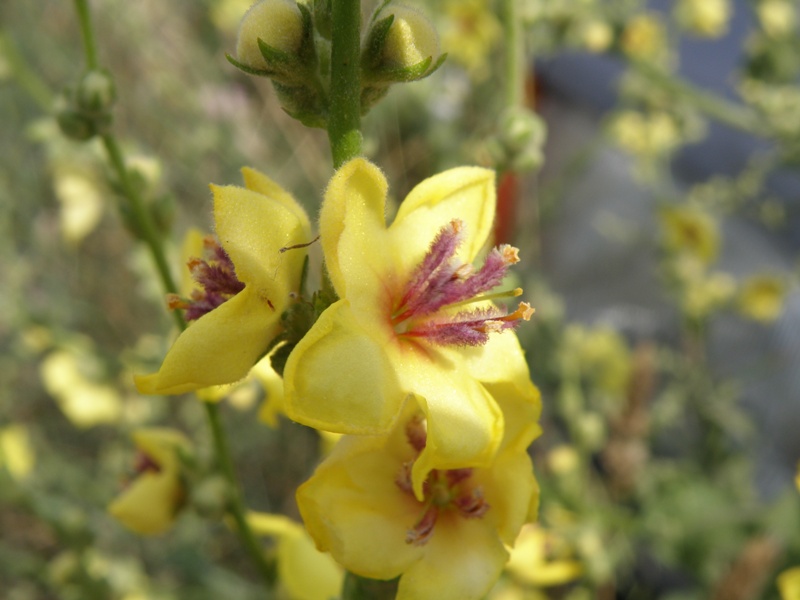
column 360, row 507
column 644, row 37
column 778, row 17
column 16, row 451
column 472, row 31
column 305, row 572
column 761, row 297
column 402, row 326
column 541, row 558
column 690, row 230
column 789, row 584
column 151, row 502
column 708, row 18
column 257, row 227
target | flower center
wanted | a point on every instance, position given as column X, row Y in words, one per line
column 441, row 283
column 444, row 490
column 215, row 275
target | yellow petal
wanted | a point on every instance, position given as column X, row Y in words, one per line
column 462, row 561
column 465, row 425
column 501, row 359
column 16, row 451
column 789, row 584
column 339, row 379
column 273, row 404
column 220, row 347
column 253, row 228
column 149, row 505
column 305, row 572
column 352, row 226
column 466, row 193
column 191, row 247
column 161, row 444
column 353, row 508
column 258, row 182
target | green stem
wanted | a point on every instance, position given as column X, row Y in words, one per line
column 235, row 503
column 515, row 63
column 87, row 33
column 24, row 76
column 344, row 119
column 149, row 234
column 715, row 107
column 143, row 220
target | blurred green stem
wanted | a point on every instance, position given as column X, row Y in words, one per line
column 714, row 106
column 149, row 234
column 344, row 120
column 27, row 78
column 515, row 63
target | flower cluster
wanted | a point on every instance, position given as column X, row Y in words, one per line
column 410, row 357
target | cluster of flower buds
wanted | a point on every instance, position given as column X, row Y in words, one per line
column 518, row 144
column 84, row 111
column 289, row 43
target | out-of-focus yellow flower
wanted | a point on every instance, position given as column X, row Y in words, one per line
column 273, row 404
column 278, row 23
column 359, row 506
column 542, row 558
column 761, row 297
column 470, row 32
column 403, row 324
column 563, row 459
column 643, row 135
column 704, row 295
column 644, row 37
column 81, row 203
column 708, row 18
column 691, row 231
column 150, row 503
column 305, row 572
column 777, row 17
column 255, row 225
column 84, row 402
column 411, row 38
column 16, row 451
column 789, row 584
column 596, row 35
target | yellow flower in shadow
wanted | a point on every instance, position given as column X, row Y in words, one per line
column 304, row 572
column 150, row 503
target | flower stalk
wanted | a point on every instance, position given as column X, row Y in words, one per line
column 344, row 120
column 148, row 232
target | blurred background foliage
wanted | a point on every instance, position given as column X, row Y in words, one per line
column 662, row 473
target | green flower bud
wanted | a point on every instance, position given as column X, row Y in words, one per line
column 411, row 39
column 278, row 23
column 96, row 92
column 210, row 497
column 73, row 123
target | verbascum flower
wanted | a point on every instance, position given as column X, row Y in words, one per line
column 150, row 503
column 761, row 297
column 451, row 544
column 303, row 571
column 247, row 280
column 690, row 231
column 403, row 325
column 789, row 584
column 542, row 558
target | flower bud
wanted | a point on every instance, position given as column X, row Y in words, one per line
column 96, row 92
column 278, row 23
column 411, row 39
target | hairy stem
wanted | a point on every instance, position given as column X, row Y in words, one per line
column 344, row 119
